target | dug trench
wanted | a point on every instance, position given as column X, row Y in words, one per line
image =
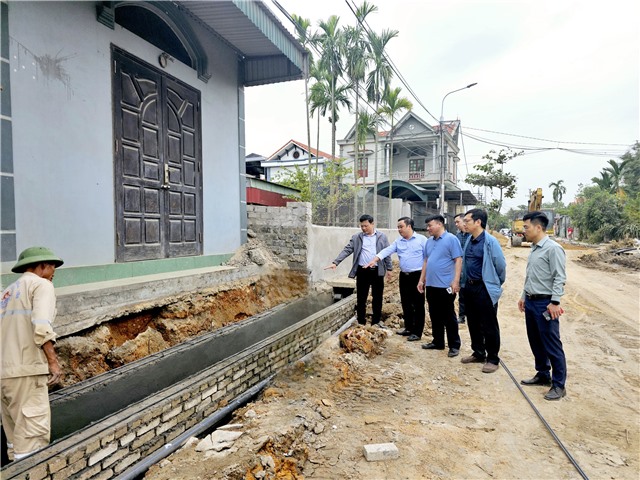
column 130, row 338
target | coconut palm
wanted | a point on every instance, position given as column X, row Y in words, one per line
column 377, row 83
column 391, row 106
column 558, row 190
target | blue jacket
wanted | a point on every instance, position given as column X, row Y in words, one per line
column 494, row 266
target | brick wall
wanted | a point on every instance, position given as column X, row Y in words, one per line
column 284, row 230
column 109, row 447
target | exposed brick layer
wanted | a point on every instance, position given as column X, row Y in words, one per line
column 107, row 448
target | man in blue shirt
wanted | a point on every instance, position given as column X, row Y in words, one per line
column 441, row 276
column 409, row 247
column 483, row 273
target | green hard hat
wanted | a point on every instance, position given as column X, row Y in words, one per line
column 35, row 255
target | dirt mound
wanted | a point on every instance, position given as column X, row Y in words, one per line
column 363, row 339
column 614, row 257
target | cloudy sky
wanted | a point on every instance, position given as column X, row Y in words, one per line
column 565, row 71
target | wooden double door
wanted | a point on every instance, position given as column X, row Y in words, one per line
column 158, row 162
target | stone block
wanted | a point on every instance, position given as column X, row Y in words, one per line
column 126, row 462
column 59, row 463
column 127, row 439
column 103, row 453
column 173, row 413
column 380, row 451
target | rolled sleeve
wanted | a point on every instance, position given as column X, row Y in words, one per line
column 557, row 265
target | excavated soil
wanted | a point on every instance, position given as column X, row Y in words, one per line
column 131, row 338
column 448, row 419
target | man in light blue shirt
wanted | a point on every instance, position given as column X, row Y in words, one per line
column 441, row 277
column 409, row 247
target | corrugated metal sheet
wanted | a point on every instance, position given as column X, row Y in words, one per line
column 271, row 53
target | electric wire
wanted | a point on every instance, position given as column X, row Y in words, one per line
column 545, row 423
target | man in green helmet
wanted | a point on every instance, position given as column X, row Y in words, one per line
column 29, row 362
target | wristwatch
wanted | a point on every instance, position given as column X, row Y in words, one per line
column 555, row 302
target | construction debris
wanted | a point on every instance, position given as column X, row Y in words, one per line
column 363, row 339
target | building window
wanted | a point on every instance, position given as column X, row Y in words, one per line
column 416, row 168
column 363, row 167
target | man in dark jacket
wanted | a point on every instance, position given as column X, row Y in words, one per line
column 364, row 246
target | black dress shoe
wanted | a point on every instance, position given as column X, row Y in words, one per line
column 413, row 338
column 555, row 393
column 431, row 346
column 404, row 333
column 537, row 380
column 453, row 352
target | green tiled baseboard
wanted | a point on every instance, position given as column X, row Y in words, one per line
column 100, row 273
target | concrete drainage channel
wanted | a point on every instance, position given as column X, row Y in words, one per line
column 104, row 426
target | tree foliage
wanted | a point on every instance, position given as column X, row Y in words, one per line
column 323, row 194
column 558, row 190
column 610, row 208
column 492, row 175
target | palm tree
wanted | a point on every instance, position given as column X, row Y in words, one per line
column 615, row 171
column 604, row 182
column 319, row 100
column 323, row 97
column 306, row 38
column 356, row 62
column 392, row 105
column 558, row 190
column 331, row 40
column 377, row 83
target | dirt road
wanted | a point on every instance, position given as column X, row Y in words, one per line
column 449, row 420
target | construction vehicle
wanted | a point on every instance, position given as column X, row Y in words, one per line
column 534, row 204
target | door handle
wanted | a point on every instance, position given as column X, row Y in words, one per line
column 166, row 184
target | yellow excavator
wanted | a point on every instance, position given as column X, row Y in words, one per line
column 535, row 203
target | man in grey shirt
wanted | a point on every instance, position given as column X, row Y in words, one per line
column 540, row 302
column 364, row 246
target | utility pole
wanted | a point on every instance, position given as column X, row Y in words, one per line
column 443, row 160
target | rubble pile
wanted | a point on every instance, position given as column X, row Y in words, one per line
column 363, row 339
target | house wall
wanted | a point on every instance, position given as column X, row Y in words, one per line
column 62, row 131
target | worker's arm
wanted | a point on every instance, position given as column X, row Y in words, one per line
column 52, row 361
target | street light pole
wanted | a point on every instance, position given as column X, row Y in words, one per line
column 443, row 164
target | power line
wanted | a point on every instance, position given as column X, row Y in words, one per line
column 547, row 140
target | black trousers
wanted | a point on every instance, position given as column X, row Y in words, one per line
column 461, row 310
column 482, row 319
column 368, row 278
column 412, row 302
column 443, row 317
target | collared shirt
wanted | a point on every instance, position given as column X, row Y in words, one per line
column 441, row 254
column 475, row 254
column 546, row 270
column 28, row 308
column 368, row 249
column 410, row 251
column 462, row 237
